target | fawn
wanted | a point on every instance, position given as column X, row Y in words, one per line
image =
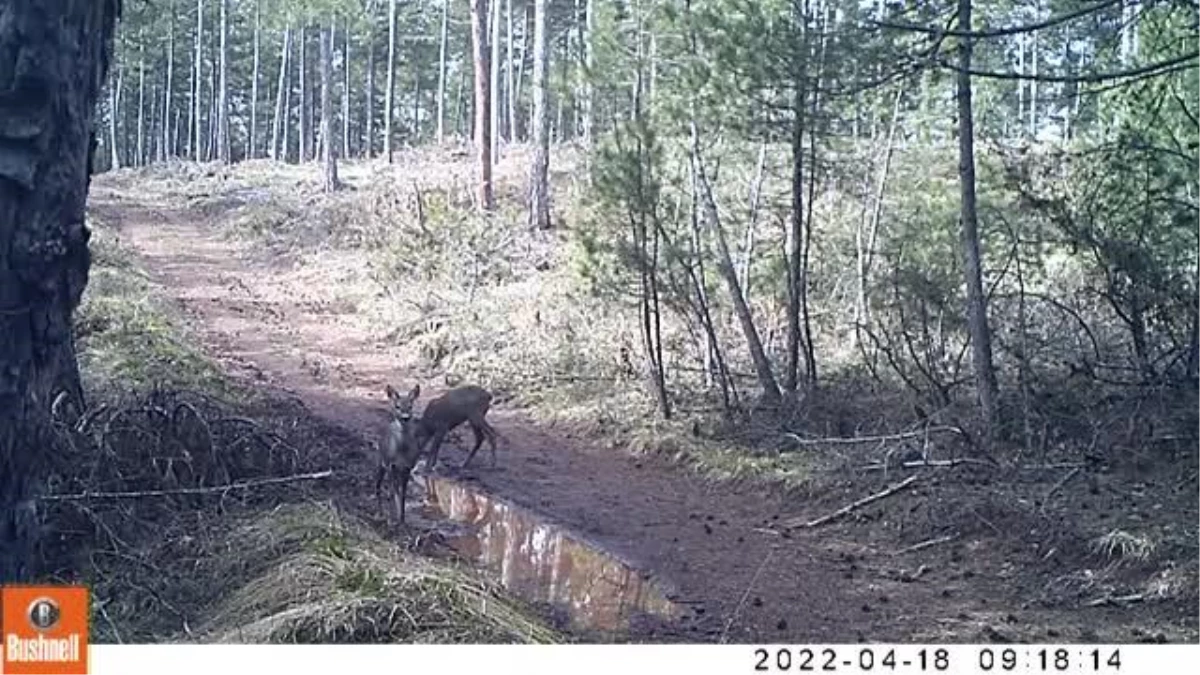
column 399, row 448
column 462, row 404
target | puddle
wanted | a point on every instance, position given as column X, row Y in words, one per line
column 544, row 563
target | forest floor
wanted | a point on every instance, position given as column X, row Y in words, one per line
column 733, row 571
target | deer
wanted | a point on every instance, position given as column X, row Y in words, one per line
column 468, row 404
column 400, row 447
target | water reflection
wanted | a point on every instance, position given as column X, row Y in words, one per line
column 543, row 563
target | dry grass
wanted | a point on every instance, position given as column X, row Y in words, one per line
column 321, row 577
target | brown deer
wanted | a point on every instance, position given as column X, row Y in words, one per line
column 399, row 448
column 462, row 404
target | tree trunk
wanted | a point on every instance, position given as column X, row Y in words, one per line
column 795, row 236
column 483, row 139
column 1194, row 348
column 510, row 80
column 328, row 153
column 441, row 86
column 223, row 141
column 517, row 129
column 589, row 89
column 977, row 320
column 198, row 73
column 114, row 105
column 168, row 138
column 494, row 108
column 416, row 109
column 389, row 110
column 369, row 96
column 762, row 366
column 1033, row 84
column 210, row 135
column 306, row 133
column 44, row 259
column 539, row 190
column 252, row 142
column 1021, row 85
column 278, row 142
column 346, row 93
column 140, row 159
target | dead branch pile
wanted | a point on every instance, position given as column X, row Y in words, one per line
column 136, row 462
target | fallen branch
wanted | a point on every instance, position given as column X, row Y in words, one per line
column 850, row 507
column 929, row 543
column 1057, row 487
column 1117, row 600
column 239, row 485
column 838, row 440
column 932, row 463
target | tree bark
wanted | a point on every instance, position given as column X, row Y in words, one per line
column 494, row 108
column 483, row 140
column 198, row 75
column 114, row 105
column 223, row 141
column 346, row 93
column 44, row 156
column 390, row 97
column 977, row 321
column 369, row 96
column 306, row 133
column 278, row 141
column 328, row 152
column 517, row 130
column 252, row 142
column 795, row 232
column 168, row 138
column 539, row 190
column 762, row 366
column 589, row 89
column 441, row 86
column 140, row 159
column 510, row 95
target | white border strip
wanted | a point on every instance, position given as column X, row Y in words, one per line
column 637, row 659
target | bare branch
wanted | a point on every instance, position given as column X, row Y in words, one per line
column 189, row 491
column 1000, row 32
column 794, row 523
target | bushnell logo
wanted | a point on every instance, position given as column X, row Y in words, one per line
column 44, row 613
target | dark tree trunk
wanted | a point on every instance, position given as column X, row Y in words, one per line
column 252, row 142
column 539, row 190
column 369, row 103
column 328, row 154
column 305, row 120
column 223, row 141
column 389, row 104
column 279, row 126
column 45, row 129
column 483, row 103
column 977, row 321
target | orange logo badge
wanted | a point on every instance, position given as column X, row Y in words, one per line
column 45, row 630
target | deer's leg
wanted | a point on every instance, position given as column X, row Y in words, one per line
column 491, row 438
column 480, row 434
column 379, row 474
column 403, row 492
column 435, row 445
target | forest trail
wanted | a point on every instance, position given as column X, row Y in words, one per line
column 735, row 578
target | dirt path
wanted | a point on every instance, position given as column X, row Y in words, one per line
column 738, row 580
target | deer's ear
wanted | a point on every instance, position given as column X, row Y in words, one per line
column 416, row 391
column 391, row 392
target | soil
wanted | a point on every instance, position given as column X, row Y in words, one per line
column 740, row 576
